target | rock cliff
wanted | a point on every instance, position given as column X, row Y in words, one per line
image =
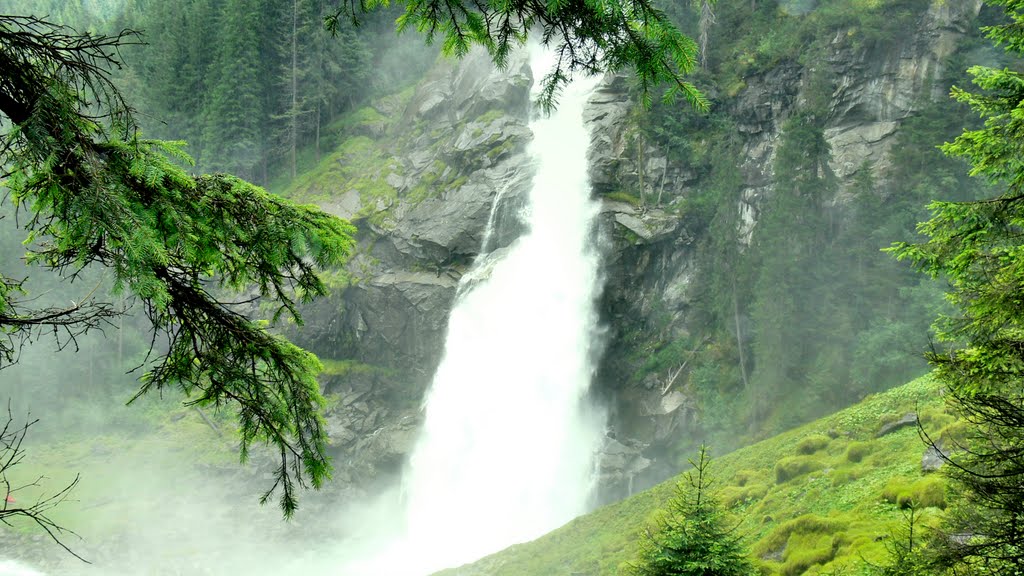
column 653, row 263
column 432, row 162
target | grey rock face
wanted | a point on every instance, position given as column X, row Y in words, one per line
column 619, row 466
column 878, row 90
column 459, row 145
column 934, row 457
column 650, row 262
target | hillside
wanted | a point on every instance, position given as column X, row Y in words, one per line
column 814, row 500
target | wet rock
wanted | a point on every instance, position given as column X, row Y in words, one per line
column 934, row 457
column 908, row 419
column 619, row 467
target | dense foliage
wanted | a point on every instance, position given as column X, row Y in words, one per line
column 97, row 194
column 977, row 247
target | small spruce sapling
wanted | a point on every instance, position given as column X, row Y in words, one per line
column 691, row 536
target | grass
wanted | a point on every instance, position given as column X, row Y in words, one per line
column 116, row 471
column 839, row 499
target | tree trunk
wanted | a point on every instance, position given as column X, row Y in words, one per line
column 707, row 19
column 295, row 85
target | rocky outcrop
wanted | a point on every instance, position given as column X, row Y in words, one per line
column 908, row 419
column 448, row 164
column 876, row 90
column 934, row 457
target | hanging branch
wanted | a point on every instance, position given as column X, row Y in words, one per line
column 11, row 454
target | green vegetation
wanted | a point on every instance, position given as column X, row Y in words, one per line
column 792, row 467
column 976, row 246
column 856, row 451
column 359, row 164
column 691, row 536
column 362, row 164
column 249, row 83
column 927, row 492
column 813, row 444
column 825, row 520
column 346, row 368
column 624, row 197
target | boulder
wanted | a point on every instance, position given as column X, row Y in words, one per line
column 934, row 457
column 908, row 419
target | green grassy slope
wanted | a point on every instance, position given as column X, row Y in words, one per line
column 124, row 475
column 815, row 500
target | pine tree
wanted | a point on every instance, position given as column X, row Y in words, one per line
column 691, row 537
column 233, row 125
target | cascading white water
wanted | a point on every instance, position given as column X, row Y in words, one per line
column 507, row 448
column 506, row 452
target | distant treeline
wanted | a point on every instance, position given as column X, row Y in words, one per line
column 251, row 85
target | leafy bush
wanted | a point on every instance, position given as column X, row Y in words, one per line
column 805, row 529
column 804, row 550
column 736, row 495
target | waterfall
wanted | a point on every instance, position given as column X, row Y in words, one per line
column 507, row 448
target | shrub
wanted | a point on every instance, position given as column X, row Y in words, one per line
column 955, row 433
column 742, row 477
column 927, row 492
column 845, row 476
column 733, row 495
column 781, row 537
column 804, row 550
column 936, row 418
column 788, row 468
column 624, row 197
column 856, row 451
column 812, row 444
